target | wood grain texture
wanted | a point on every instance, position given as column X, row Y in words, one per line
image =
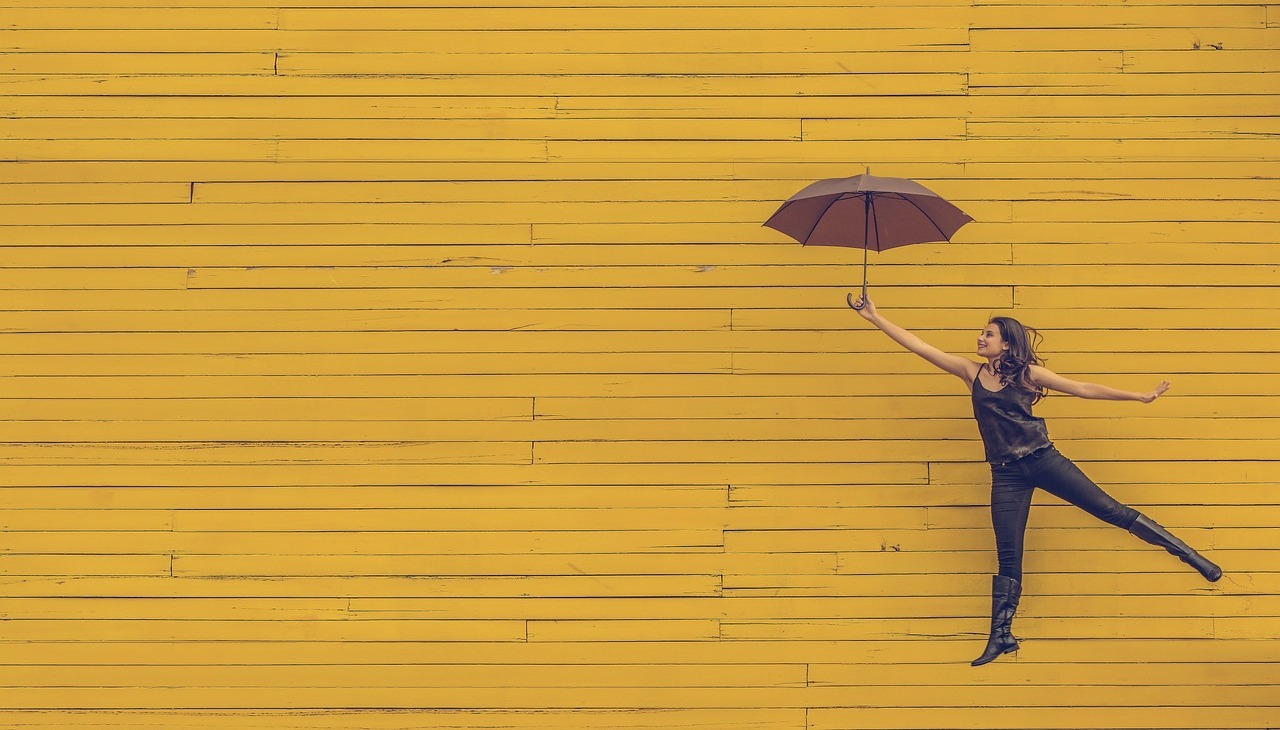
column 427, row 365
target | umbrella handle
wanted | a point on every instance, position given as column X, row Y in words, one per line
column 849, row 298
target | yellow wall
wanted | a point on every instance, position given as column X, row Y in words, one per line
column 430, row 366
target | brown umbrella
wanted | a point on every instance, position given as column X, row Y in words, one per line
column 891, row 211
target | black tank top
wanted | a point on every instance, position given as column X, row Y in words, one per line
column 1008, row 429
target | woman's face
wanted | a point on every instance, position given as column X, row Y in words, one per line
column 990, row 343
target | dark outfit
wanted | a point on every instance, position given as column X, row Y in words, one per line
column 1022, row 458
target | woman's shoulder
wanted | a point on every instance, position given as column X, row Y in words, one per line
column 1039, row 374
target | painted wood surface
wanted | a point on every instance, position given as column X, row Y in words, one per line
column 427, row 366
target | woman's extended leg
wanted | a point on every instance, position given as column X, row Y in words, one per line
column 1147, row 529
column 1057, row 475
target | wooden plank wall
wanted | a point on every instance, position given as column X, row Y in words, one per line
column 426, row 366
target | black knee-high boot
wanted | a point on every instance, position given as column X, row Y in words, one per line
column 1146, row 529
column 1005, row 592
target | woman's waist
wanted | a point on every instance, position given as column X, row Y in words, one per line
column 1021, row 456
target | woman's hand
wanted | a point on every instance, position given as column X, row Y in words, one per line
column 864, row 307
column 1160, row 389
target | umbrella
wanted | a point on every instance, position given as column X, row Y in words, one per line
column 890, row 211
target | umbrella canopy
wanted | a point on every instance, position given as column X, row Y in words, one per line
column 867, row 212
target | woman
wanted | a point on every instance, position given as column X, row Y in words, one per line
column 1022, row 457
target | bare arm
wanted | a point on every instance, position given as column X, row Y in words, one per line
column 1046, row 378
column 960, row 367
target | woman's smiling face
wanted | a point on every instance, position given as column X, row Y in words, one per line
column 990, row 342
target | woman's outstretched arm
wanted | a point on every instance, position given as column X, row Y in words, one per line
column 958, row 366
column 1046, row 378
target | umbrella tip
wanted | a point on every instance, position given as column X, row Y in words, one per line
column 868, row 167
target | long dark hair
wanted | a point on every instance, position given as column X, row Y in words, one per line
column 1014, row 366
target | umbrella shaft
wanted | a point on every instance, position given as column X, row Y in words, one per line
column 866, row 224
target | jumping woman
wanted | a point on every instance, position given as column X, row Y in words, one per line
column 1022, row 457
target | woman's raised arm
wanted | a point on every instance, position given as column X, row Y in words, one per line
column 960, row 367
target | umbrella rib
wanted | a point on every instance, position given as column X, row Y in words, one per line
column 818, row 220
column 876, row 227
column 928, row 217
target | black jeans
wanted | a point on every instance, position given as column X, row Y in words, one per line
column 1012, row 485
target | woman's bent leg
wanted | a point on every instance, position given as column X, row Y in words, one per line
column 1010, row 504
